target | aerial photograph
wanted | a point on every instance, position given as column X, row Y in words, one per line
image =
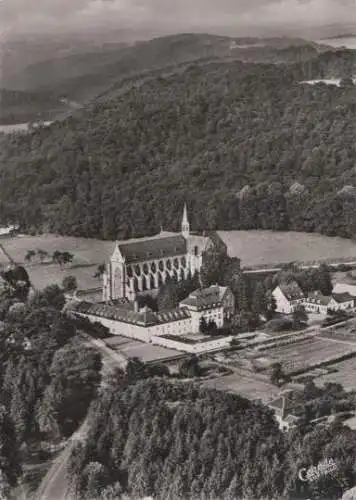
column 177, row 249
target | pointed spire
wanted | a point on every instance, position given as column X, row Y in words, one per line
column 185, row 214
column 185, row 222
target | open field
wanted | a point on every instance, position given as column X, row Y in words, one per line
column 343, row 373
column 146, row 352
column 253, row 247
column 308, row 352
column 266, row 247
column 345, row 334
column 246, row 386
column 87, row 255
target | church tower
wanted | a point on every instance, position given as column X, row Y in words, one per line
column 185, row 223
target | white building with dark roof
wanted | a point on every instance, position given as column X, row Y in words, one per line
column 317, row 303
column 288, row 296
column 122, row 317
column 216, row 303
column 341, row 302
column 147, row 263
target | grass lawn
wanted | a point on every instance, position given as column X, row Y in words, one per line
column 259, row 247
column 146, row 352
column 87, row 255
column 253, row 247
column 344, row 374
column 246, row 386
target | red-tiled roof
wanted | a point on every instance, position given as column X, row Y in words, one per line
column 153, row 249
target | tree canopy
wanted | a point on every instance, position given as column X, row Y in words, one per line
column 247, row 145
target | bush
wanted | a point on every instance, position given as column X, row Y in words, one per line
column 279, row 324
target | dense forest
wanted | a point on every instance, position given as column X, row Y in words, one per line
column 179, row 441
column 48, row 379
column 246, row 145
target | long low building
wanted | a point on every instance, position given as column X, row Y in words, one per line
column 124, row 318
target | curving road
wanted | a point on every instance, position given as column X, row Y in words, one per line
column 54, row 485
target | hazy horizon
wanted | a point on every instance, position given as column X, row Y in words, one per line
column 149, row 18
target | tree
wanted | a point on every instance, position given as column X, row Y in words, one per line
column 168, row 296
column 157, row 370
column 276, row 373
column 323, row 280
column 62, row 258
column 75, row 378
column 69, row 283
column 135, row 370
column 259, row 302
column 214, row 268
column 190, row 367
column 300, row 317
column 50, row 296
column 9, row 453
column 95, row 477
column 212, row 327
column 271, row 304
column 42, row 254
column 242, row 294
column 203, row 325
column 57, row 257
column 100, row 270
column 67, row 257
column 29, row 255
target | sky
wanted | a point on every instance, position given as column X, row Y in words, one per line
column 47, row 16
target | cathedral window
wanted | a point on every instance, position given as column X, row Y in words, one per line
column 161, row 265
column 196, row 251
column 129, row 271
column 137, row 269
column 183, row 261
column 176, row 263
column 152, row 282
column 169, row 264
column 145, row 268
column 153, row 267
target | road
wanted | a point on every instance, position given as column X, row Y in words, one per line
column 54, row 485
column 274, row 269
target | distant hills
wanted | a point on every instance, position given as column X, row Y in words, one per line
column 79, row 73
column 246, row 144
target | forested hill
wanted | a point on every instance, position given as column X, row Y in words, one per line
column 81, row 73
column 246, row 145
column 79, row 76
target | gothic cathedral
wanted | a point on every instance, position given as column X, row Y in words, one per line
column 146, row 264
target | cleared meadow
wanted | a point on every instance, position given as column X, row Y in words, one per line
column 343, row 373
column 253, row 247
column 267, row 247
column 247, row 386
